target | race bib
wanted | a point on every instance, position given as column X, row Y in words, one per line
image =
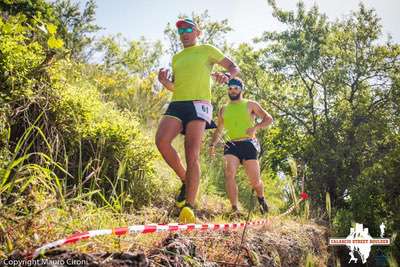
column 256, row 144
column 204, row 110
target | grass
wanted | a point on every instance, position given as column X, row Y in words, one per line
column 392, row 261
column 54, row 222
column 36, row 208
column 309, row 261
column 328, row 206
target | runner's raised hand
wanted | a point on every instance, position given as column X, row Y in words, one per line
column 220, row 77
column 163, row 75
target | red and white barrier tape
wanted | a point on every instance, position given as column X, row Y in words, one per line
column 153, row 228
column 290, row 209
column 144, row 229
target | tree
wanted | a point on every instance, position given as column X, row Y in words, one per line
column 77, row 27
column 339, row 77
column 335, row 87
column 128, row 76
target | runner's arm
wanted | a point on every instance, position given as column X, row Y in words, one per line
column 230, row 66
column 218, row 132
column 164, row 80
column 261, row 113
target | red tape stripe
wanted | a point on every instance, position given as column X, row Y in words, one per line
column 145, row 229
column 149, row 229
column 120, row 231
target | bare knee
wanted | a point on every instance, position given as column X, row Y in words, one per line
column 192, row 159
column 230, row 173
column 162, row 143
column 159, row 142
column 256, row 183
column 192, row 155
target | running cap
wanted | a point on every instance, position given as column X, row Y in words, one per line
column 186, row 22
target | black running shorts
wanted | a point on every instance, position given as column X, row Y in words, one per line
column 243, row 150
column 187, row 111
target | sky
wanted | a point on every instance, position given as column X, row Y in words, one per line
column 248, row 18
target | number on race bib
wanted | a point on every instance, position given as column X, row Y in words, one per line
column 256, row 145
column 203, row 110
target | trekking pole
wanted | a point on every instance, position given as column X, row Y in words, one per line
column 245, row 226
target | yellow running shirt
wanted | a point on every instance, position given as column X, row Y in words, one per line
column 237, row 120
column 192, row 69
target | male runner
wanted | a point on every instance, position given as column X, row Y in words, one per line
column 190, row 108
column 238, row 119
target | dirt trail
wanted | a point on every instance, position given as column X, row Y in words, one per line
column 282, row 243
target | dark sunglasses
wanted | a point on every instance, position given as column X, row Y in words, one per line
column 183, row 30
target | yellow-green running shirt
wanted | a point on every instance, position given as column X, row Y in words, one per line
column 192, row 69
column 237, row 120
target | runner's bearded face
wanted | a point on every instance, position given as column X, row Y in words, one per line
column 234, row 92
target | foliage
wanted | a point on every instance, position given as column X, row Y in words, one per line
column 76, row 27
column 77, row 129
column 129, row 76
column 99, row 145
column 333, row 89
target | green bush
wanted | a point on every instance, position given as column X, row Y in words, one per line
column 104, row 148
column 342, row 222
column 5, row 154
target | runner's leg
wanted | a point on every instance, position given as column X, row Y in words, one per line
column 168, row 129
column 252, row 168
column 193, row 139
column 231, row 164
